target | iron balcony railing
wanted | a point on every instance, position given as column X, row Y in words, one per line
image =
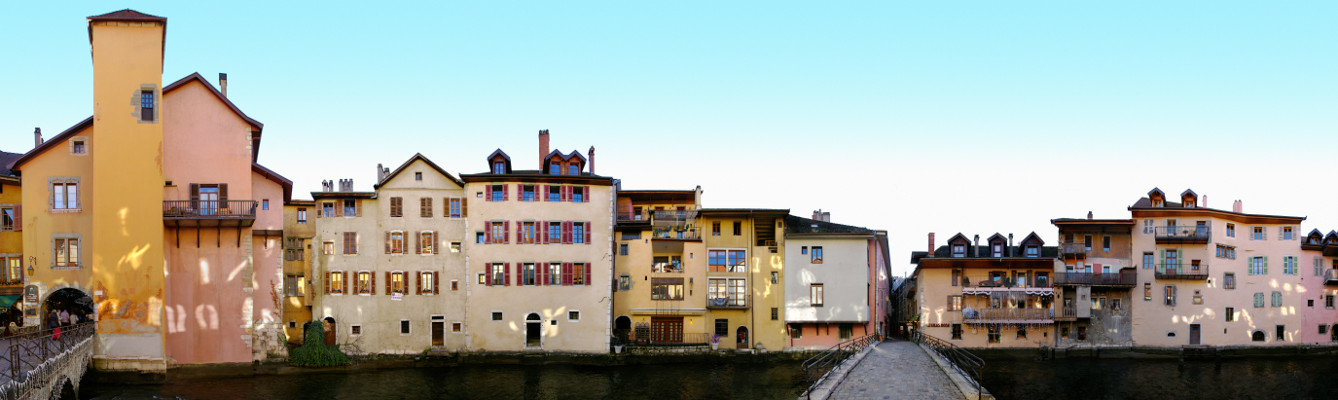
column 209, row 209
column 646, row 338
column 1087, row 278
column 1186, row 271
column 633, row 216
column 727, row 302
column 679, row 232
column 1001, row 282
column 1010, row 314
column 1183, row 232
column 1331, row 277
column 1073, row 248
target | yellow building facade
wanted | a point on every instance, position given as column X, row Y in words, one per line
column 660, row 266
column 745, row 272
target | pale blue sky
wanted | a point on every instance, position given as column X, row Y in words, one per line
column 907, row 116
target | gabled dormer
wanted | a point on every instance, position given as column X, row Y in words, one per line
column 958, row 245
column 1314, row 237
column 998, row 245
column 1157, row 197
column 499, row 162
column 1031, row 245
column 1331, row 238
column 1189, row 199
column 575, row 163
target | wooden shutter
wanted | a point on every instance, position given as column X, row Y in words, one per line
column 543, row 191
column 505, row 192
column 540, row 273
column 223, row 195
column 436, row 244
column 565, row 192
column 487, row 233
column 371, row 277
column 327, row 282
column 543, row 232
column 506, row 232
column 388, row 283
column 587, row 232
column 339, row 208
column 488, row 278
column 18, row 218
column 588, row 278
column 585, row 194
column 418, row 284
column 1265, row 265
column 387, row 242
column 194, row 196
column 357, row 208
column 520, row 233
column 487, row 193
column 566, row 274
column 418, row 242
column 464, row 206
column 520, row 274
column 506, row 274
column 436, row 282
column 343, row 284
column 568, row 235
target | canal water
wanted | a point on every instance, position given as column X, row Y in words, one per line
column 1299, row 377
column 780, row 379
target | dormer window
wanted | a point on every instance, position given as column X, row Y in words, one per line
column 996, row 250
column 555, row 168
column 1156, row 202
column 1033, row 251
column 959, row 250
column 498, row 167
column 573, row 169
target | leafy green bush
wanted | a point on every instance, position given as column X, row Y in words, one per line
column 314, row 352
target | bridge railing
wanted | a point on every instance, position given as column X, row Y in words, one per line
column 963, row 361
column 25, row 352
column 818, row 366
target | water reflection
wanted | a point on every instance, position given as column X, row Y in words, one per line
column 1256, row 378
column 778, row 380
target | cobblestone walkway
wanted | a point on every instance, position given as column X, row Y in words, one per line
column 896, row 370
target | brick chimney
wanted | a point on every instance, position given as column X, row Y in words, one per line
column 37, row 137
column 543, row 149
column 592, row 160
column 931, row 244
column 1204, row 200
column 1237, row 207
column 223, row 84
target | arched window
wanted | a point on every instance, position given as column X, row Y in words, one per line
column 1257, row 336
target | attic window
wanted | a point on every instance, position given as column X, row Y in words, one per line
column 417, row 176
column 1156, row 202
column 498, row 167
column 555, row 168
column 996, row 250
column 1033, row 251
column 77, row 147
column 573, row 169
column 958, row 250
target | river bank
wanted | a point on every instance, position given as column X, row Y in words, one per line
column 1145, row 352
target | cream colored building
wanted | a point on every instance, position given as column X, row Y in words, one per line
column 1216, row 277
column 540, row 258
column 390, row 262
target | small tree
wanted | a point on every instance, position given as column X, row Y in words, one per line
column 314, row 352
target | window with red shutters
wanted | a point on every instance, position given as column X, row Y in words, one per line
column 505, row 193
column 488, row 277
column 506, row 232
column 585, row 194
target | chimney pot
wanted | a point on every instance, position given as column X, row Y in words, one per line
column 223, row 84
column 37, row 137
column 1204, row 200
column 1089, row 216
column 1237, row 207
column 592, row 160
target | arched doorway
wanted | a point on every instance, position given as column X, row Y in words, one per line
column 74, row 301
column 533, row 324
column 622, row 326
column 328, row 324
column 741, row 337
column 1333, row 333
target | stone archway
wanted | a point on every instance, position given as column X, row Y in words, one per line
column 71, row 299
column 622, row 326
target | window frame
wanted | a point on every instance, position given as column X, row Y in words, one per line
column 815, row 295
column 815, row 255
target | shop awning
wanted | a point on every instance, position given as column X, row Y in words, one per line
column 8, row 300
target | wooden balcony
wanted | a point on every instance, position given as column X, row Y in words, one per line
column 1183, row 234
column 1095, row 279
column 1182, row 271
column 1067, row 313
column 1078, row 250
column 1010, row 316
column 208, row 213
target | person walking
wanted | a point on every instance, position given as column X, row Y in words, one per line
column 64, row 317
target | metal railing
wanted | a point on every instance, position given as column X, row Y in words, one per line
column 727, row 301
column 1182, row 271
column 26, row 352
column 1010, row 314
column 1033, row 282
column 1194, row 232
column 675, row 233
column 209, row 209
column 1088, row 278
column 686, row 339
column 1073, row 248
column 1331, row 276
column 961, row 360
column 817, row 367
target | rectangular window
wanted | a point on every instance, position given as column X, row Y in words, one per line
column 666, row 289
column 555, row 274
column 573, row 315
column 1021, row 332
column 554, row 193
column 336, row 282
column 1148, row 260
column 622, row 249
column 364, row 282
column 77, row 147
column 427, row 283
column 624, row 282
column 1087, row 242
column 1170, row 295
column 425, row 207
column 498, row 274
column 555, row 168
column 1105, row 243
column 956, row 331
column 396, row 207
column 1258, row 266
column 1231, row 230
column 146, row 106
column 396, row 243
column 8, row 213
column 722, row 327
column 397, row 282
column 577, row 194
column 578, row 232
column 738, row 228
column 993, row 334
column 1259, row 300
column 496, row 315
column 301, row 215
column 816, row 256
column 355, row 330
column 815, row 294
column 555, row 232
column 327, row 209
column 527, row 193
column 955, row 302
column 527, row 235
column 1328, row 301
column 578, row 274
column 1287, row 233
column 796, row 331
column 65, row 196
column 775, row 314
column 738, row 261
column 528, row 273
column 498, row 193
column 66, row 252
column 717, row 260
column 455, row 207
column 1277, row 299
column 1289, row 266
column 418, row 176
column 498, row 231
column 264, row 204
column 1281, row 331
column 1257, row 233
column 715, row 228
column 327, row 248
column 956, row 277
column 1147, row 291
column 350, row 208
column 846, row 331
column 428, row 242
column 573, row 169
column 1230, row 314
column 1229, row 280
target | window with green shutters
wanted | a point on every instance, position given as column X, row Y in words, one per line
column 1259, row 300
column 1277, row 299
column 1258, row 266
column 1289, row 265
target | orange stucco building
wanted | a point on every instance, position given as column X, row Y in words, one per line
column 156, row 211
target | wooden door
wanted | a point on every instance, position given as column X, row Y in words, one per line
column 666, row 329
column 438, row 333
column 1194, row 334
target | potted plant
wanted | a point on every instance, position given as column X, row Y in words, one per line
column 715, row 342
